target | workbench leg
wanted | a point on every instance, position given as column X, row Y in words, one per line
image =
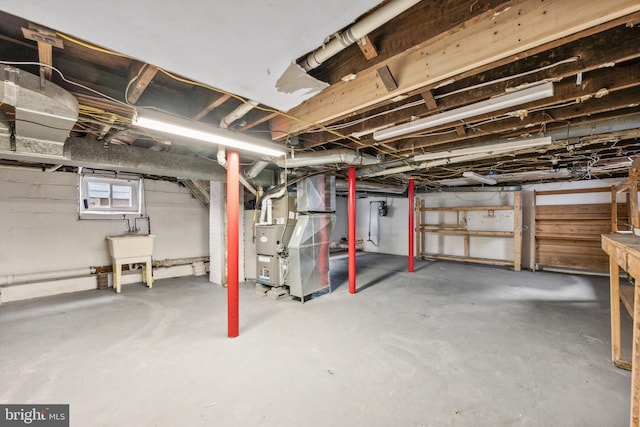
column 635, row 359
column 614, row 274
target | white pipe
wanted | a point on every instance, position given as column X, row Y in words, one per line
column 357, row 31
column 11, row 279
column 325, row 157
column 222, row 161
column 238, row 113
column 255, row 169
column 266, row 211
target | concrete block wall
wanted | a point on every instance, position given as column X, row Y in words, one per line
column 40, row 230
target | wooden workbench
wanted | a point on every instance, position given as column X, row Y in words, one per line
column 624, row 252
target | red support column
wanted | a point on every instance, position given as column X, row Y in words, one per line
column 411, row 225
column 233, row 202
column 352, row 230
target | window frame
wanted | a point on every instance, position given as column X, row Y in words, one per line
column 134, row 186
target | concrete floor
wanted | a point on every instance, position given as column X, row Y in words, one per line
column 450, row 345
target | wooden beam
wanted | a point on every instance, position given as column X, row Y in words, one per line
column 45, row 56
column 141, row 76
column 592, row 52
column 367, row 48
column 46, row 39
column 213, row 104
column 387, row 78
column 261, row 117
column 513, row 31
column 424, row 21
column 429, row 100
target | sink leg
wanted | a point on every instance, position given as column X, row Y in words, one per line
column 148, row 272
column 117, row 276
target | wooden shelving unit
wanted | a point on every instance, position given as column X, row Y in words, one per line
column 567, row 236
column 460, row 228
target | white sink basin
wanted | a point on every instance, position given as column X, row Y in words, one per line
column 131, row 245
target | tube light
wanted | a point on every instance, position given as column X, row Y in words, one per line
column 179, row 126
column 500, row 102
column 462, row 155
column 496, row 148
column 475, row 177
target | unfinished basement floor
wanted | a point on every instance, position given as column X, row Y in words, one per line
column 449, row 345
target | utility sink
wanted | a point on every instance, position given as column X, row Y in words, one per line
column 130, row 249
column 130, row 245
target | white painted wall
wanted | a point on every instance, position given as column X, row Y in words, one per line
column 40, row 230
column 389, row 234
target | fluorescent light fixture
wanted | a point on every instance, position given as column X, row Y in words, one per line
column 508, row 100
column 479, row 178
column 499, row 147
column 513, row 177
column 462, row 155
column 182, row 127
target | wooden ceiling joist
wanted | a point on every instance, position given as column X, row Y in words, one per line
column 515, row 30
column 141, row 76
column 591, row 54
column 212, row 105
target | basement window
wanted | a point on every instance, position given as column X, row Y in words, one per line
column 110, row 195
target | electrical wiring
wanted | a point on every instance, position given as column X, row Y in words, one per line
column 71, row 82
column 90, row 46
column 269, row 110
column 194, row 83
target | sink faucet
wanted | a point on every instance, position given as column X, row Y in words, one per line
column 132, row 229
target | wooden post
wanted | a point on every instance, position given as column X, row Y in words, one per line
column 614, row 209
column 466, row 235
column 423, row 221
column 534, row 246
column 634, row 174
column 635, row 361
column 517, row 231
column 614, row 283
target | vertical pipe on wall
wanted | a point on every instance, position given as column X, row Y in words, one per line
column 411, row 226
column 233, row 204
column 352, row 229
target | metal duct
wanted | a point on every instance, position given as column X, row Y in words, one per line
column 344, row 155
column 127, row 158
column 371, row 187
column 45, row 113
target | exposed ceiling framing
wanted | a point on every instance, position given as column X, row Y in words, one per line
column 436, row 56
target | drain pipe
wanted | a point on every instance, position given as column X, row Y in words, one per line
column 238, row 113
column 255, row 169
column 345, row 155
column 11, row 279
column 357, row 31
column 266, row 209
